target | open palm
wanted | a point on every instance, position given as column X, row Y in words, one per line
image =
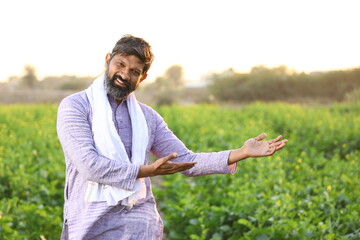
column 254, row 147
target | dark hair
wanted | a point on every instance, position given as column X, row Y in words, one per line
column 129, row 45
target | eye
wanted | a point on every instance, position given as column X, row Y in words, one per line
column 120, row 64
column 136, row 72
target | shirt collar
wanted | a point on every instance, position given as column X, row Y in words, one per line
column 112, row 101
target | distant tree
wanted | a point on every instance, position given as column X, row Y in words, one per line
column 225, row 86
column 169, row 85
column 175, row 77
column 66, row 82
column 172, row 79
column 29, row 79
column 283, row 84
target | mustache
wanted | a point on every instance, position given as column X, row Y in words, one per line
column 116, row 76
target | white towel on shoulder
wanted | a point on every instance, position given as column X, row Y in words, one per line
column 109, row 144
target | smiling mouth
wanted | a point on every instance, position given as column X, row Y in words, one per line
column 120, row 82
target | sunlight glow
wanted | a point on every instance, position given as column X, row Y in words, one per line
column 73, row 37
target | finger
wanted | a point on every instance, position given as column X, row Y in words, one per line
column 278, row 143
column 175, row 166
column 185, row 164
column 168, row 158
column 260, row 137
column 280, row 146
column 274, row 147
column 186, row 167
column 171, row 168
column 275, row 139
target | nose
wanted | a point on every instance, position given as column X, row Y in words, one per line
column 125, row 74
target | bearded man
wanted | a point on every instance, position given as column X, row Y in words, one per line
column 107, row 137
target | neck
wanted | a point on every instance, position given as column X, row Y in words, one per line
column 118, row 101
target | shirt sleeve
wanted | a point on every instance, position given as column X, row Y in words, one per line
column 166, row 142
column 75, row 135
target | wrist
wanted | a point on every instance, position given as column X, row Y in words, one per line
column 237, row 155
column 145, row 171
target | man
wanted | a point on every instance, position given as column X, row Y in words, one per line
column 107, row 136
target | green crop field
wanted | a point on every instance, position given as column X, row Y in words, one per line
column 308, row 190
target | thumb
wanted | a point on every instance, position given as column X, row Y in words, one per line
column 260, row 137
column 168, row 158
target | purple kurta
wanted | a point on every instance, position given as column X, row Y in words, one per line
column 83, row 163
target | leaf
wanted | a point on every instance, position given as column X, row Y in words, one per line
column 245, row 222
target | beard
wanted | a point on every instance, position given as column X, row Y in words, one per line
column 114, row 90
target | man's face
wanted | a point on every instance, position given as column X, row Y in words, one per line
column 123, row 75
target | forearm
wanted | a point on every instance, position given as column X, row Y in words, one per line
column 96, row 168
column 207, row 163
column 166, row 142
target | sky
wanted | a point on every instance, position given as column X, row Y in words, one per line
column 73, row 36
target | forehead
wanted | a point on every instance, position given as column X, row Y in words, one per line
column 130, row 61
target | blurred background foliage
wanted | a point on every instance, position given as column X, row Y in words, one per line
column 261, row 83
column 282, row 84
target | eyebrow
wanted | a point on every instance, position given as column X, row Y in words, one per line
column 135, row 68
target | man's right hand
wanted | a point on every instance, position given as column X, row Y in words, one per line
column 164, row 166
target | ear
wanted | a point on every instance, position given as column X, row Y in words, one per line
column 107, row 59
column 143, row 77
